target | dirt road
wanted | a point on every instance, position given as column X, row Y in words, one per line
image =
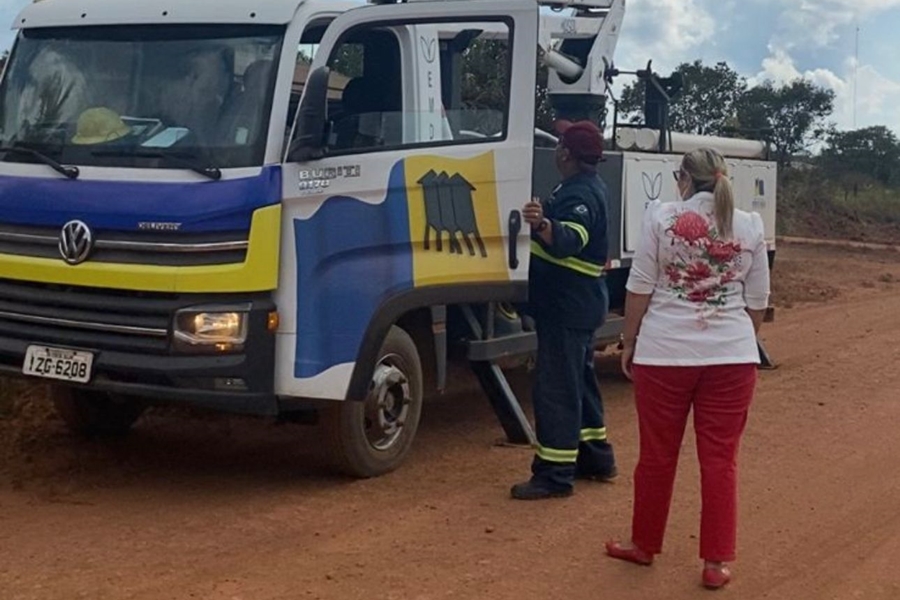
column 215, row 508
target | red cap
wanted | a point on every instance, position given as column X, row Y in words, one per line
column 583, row 139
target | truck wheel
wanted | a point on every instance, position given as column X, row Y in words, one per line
column 373, row 437
column 95, row 414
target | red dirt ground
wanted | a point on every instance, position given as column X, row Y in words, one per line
column 211, row 507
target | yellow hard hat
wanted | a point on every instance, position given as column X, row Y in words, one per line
column 98, row 125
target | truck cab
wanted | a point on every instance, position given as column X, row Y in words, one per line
column 165, row 235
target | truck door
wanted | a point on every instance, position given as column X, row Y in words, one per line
column 646, row 178
column 414, row 197
column 755, row 184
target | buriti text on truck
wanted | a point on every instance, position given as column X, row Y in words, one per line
column 302, row 207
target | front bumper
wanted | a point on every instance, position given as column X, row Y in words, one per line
column 137, row 365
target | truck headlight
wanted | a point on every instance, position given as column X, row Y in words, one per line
column 223, row 328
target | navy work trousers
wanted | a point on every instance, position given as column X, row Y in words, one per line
column 568, row 409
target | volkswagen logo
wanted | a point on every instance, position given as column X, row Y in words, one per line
column 75, row 242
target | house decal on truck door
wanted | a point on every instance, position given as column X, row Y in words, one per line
column 450, row 209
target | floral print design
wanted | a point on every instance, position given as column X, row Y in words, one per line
column 702, row 265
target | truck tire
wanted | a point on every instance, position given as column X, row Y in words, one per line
column 371, row 438
column 95, row 414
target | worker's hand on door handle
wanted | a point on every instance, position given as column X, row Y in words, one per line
column 533, row 213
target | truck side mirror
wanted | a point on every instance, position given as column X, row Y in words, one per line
column 312, row 118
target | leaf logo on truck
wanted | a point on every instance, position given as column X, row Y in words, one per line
column 652, row 187
column 75, row 242
column 450, row 209
column 428, row 49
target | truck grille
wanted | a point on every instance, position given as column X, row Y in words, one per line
column 86, row 317
column 136, row 247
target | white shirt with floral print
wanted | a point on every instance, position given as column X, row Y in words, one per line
column 700, row 285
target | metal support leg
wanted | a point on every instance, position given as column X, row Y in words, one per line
column 766, row 361
column 503, row 400
column 505, row 404
column 439, row 330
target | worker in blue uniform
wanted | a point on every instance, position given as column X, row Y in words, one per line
column 568, row 300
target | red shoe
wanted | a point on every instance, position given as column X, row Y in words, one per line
column 715, row 578
column 633, row 555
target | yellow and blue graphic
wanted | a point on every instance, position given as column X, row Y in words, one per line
column 230, row 205
column 438, row 225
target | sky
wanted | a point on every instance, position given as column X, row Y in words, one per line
column 778, row 40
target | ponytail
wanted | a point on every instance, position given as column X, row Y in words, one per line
column 724, row 206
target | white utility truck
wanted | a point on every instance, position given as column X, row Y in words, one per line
column 295, row 208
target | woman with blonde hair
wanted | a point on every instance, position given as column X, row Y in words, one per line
column 697, row 294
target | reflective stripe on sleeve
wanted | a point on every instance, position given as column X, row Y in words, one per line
column 580, row 229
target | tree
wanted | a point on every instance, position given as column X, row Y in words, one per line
column 707, row 104
column 794, row 114
column 873, row 152
column 543, row 109
column 485, row 78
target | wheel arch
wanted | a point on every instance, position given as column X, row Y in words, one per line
column 410, row 311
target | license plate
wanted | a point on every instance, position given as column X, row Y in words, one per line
column 58, row 363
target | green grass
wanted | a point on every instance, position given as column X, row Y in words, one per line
column 811, row 206
column 876, row 204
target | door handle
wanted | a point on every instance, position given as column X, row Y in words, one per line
column 515, row 226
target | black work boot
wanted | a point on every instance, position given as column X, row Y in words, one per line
column 596, row 462
column 535, row 490
column 604, row 477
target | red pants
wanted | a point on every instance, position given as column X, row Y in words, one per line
column 720, row 397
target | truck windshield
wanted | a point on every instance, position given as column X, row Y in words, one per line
column 136, row 96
